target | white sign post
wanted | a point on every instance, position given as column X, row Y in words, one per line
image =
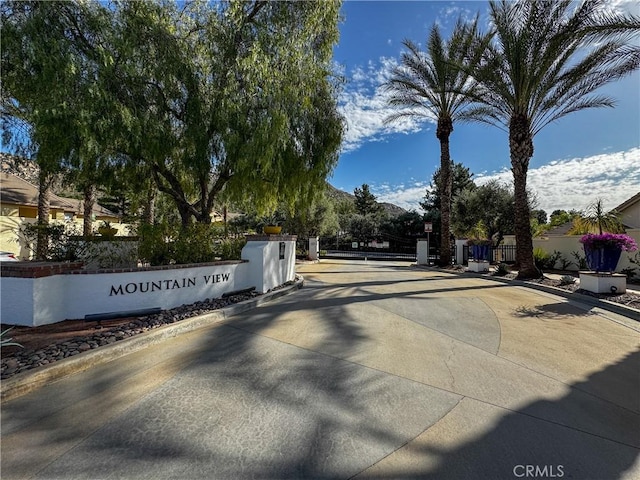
column 428, row 228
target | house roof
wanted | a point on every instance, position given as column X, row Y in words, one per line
column 560, row 229
column 16, row 191
column 627, row 203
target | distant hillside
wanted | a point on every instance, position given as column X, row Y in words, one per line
column 391, row 209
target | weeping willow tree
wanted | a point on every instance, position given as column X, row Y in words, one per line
column 232, row 102
column 48, row 83
column 215, row 101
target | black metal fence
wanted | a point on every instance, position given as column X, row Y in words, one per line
column 499, row 254
column 370, row 255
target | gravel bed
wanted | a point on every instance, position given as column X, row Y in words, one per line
column 627, row 299
column 24, row 359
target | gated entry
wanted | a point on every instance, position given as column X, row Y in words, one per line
column 499, row 254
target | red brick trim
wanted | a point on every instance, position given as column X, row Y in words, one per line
column 37, row 269
column 47, row 269
column 271, row 238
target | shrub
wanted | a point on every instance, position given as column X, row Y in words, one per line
column 581, row 261
column 564, row 263
column 231, row 248
column 567, row 280
column 8, row 342
column 544, row 260
column 155, row 245
column 501, row 270
column 60, row 247
column 165, row 244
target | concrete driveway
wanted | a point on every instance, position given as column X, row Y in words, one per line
column 372, row 370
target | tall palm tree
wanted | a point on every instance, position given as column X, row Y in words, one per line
column 543, row 61
column 429, row 85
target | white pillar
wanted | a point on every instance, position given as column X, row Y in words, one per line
column 460, row 243
column 423, row 252
column 314, row 248
column 272, row 260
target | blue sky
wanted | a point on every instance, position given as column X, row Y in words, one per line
column 587, row 155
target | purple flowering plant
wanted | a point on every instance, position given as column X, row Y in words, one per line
column 609, row 240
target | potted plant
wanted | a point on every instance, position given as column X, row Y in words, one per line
column 479, row 243
column 106, row 230
column 272, row 224
column 480, row 248
column 603, row 250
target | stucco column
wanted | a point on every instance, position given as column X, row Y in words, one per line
column 314, row 248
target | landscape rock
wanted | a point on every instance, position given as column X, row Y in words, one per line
column 23, row 360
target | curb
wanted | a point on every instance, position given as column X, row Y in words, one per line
column 613, row 307
column 30, row 380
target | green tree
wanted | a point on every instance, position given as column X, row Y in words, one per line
column 595, row 219
column 231, row 102
column 560, row 217
column 491, row 205
column 408, row 225
column 344, row 209
column 542, row 61
column 363, row 227
column 228, row 101
column 429, row 84
column 540, row 216
column 366, row 202
column 461, row 178
column 52, row 55
column 313, row 219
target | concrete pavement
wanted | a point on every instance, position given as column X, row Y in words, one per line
column 372, row 370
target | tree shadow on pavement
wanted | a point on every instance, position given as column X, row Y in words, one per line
column 576, row 436
column 553, row 311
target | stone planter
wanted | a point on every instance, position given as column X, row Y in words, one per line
column 603, row 282
column 107, row 231
column 478, row 266
column 272, row 230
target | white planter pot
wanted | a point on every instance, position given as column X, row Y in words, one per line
column 603, row 282
column 478, row 266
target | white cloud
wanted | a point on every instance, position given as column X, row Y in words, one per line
column 451, row 12
column 364, row 106
column 408, row 198
column 577, row 182
column 560, row 184
column 624, row 6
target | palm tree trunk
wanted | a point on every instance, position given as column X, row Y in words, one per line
column 89, row 201
column 44, row 194
column 445, row 127
column 521, row 149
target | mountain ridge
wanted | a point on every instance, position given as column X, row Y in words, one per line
column 335, row 193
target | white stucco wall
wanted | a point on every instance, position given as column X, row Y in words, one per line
column 566, row 244
column 268, row 270
column 50, row 299
column 631, row 216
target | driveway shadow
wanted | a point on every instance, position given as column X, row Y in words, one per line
column 523, row 444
